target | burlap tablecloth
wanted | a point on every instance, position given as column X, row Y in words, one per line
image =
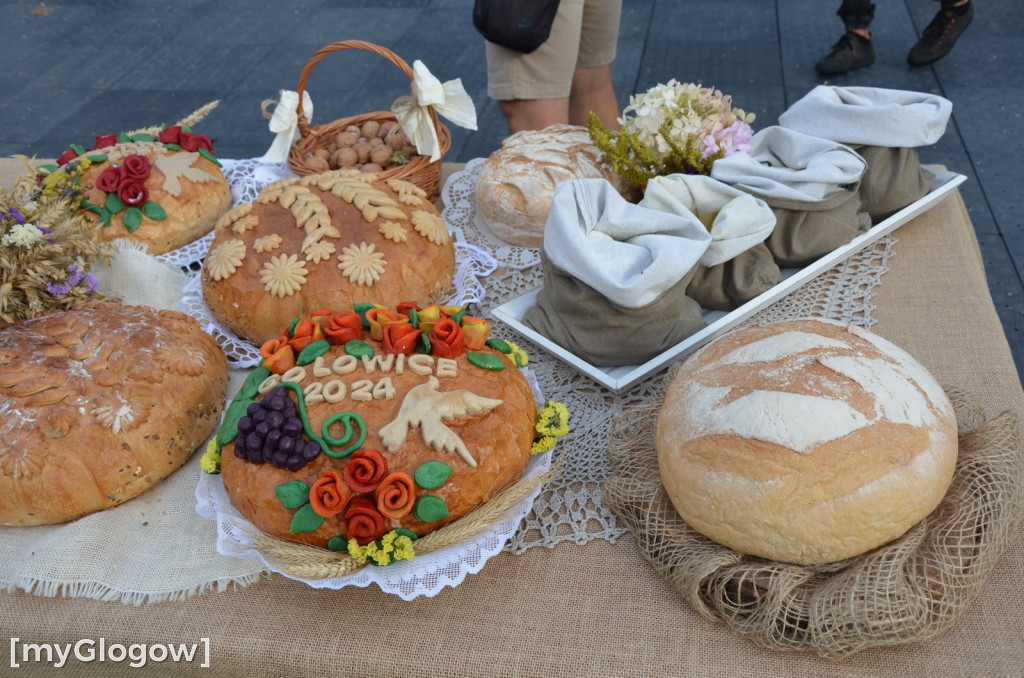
column 580, row 611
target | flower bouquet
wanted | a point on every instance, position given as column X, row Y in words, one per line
column 45, row 246
column 671, row 128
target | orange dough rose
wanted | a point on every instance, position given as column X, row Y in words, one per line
column 446, row 339
column 396, row 495
column 342, row 327
column 365, row 469
column 328, row 495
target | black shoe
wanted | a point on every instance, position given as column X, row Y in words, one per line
column 852, row 51
column 940, row 36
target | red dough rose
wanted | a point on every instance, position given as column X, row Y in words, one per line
column 363, row 522
column 133, row 193
column 400, row 338
column 341, row 328
column 109, row 179
column 446, row 339
column 136, row 167
column 193, row 142
column 170, row 134
column 102, row 141
column 67, row 156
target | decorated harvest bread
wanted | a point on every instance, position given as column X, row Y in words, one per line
column 99, row 403
column 806, row 441
column 360, row 423
column 518, row 181
column 164, row 190
column 325, row 241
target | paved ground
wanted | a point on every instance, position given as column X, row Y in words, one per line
column 73, row 69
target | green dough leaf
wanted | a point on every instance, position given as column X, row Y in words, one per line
column 79, row 150
column 430, row 509
column 143, row 137
column 251, row 384
column 402, row 532
column 486, row 361
column 432, row 475
column 154, row 211
column 358, row 348
column 104, row 217
column 499, row 345
column 293, row 495
column 312, row 352
column 132, row 219
column 97, row 157
column 113, row 203
column 172, row 147
column 123, row 138
column 423, row 345
column 90, row 207
column 306, row 520
column 228, row 430
column 337, row 544
column 209, row 156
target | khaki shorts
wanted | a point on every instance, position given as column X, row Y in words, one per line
column 583, row 35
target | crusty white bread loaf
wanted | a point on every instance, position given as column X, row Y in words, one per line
column 518, row 181
column 806, row 441
column 99, row 403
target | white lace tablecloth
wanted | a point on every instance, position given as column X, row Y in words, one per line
column 157, row 548
column 570, row 508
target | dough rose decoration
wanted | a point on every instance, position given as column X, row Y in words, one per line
column 361, row 420
column 123, row 178
column 672, row 127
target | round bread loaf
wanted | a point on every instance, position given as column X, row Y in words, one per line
column 404, row 440
column 807, row 441
column 148, row 192
column 518, row 181
column 325, row 241
column 99, row 403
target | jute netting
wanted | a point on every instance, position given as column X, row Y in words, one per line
column 906, row 591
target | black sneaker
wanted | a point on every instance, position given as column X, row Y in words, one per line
column 852, row 51
column 940, row 36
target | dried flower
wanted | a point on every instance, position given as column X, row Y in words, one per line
column 673, row 127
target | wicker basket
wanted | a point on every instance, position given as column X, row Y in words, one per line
column 419, row 170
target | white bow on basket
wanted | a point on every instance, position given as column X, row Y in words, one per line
column 448, row 99
column 285, row 123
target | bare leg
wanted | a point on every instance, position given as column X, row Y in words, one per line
column 524, row 114
column 592, row 90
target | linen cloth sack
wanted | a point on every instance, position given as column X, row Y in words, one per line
column 812, row 186
column 737, row 265
column 886, row 126
column 615, row 276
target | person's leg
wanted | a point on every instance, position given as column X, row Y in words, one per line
column 854, row 49
column 941, row 34
column 521, row 114
column 592, row 88
column 533, row 89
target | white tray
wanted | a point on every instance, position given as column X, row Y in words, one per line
column 621, row 377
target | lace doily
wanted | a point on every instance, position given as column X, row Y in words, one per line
column 570, row 508
column 425, row 575
column 247, row 178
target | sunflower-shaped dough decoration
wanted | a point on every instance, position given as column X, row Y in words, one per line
column 225, row 259
column 361, row 264
column 283, row 275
